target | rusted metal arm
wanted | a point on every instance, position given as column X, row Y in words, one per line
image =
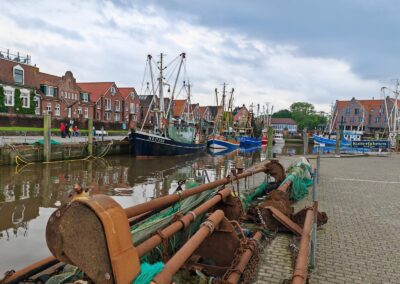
column 182, row 223
column 182, row 255
column 301, row 268
column 31, row 270
column 272, row 167
column 244, row 260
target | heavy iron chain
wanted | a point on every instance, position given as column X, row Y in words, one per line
column 261, row 217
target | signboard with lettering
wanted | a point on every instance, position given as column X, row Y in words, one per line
column 374, row 144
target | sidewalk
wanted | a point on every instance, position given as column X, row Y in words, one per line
column 361, row 241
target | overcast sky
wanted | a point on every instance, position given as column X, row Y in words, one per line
column 269, row 51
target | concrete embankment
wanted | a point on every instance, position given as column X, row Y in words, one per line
column 23, row 154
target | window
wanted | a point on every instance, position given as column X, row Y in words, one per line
column 49, row 91
column 25, row 100
column 116, row 117
column 18, row 75
column 352, row 119
column 97, row 115
column 98, row 105
column 48, row 108
column 377, row 119
column 85, row 97
column 347, row 110
column 113, row 91
column 69, row 112
column 108, row 115
column 360, row 119
column 9, row 97
column 108, row 104
column 86, row 112
column 132, row 95
column 79, row 111
column 117, row 105
column 57, row 109
column 356, row 111
column 37, row 105
column 132, row 107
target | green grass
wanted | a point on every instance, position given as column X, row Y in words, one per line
column 38, row 129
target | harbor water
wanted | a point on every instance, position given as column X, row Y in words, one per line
column 29, row 194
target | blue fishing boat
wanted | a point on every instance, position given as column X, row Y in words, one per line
column 249, row 142
column 221, row 142
column 329, row 142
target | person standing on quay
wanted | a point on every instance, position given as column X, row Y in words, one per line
column 62, row 129
column 67, row 127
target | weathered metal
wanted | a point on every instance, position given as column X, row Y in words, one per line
column 301, row 268
column 286, row 221
column 236, row 274
column 178, row 260
column 93, row 234
column 30, row 270
column 181, row 223
column 273, row 167
column 215, row 255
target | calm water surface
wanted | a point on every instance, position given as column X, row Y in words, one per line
column 29, row 195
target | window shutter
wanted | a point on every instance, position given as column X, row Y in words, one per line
column 43, row 89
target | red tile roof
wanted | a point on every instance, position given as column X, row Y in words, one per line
column 125, row 92
column 178, row 107
column 276, row 120
column 96, row 89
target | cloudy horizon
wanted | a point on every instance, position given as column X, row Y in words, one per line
column 278, row 53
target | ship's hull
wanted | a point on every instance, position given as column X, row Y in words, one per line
column 249, row 142
column 149, row 145
column 217, row 143
column 328, row 142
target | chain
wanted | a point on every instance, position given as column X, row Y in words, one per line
column 261, row 217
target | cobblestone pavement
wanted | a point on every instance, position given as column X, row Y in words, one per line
column 361, row 241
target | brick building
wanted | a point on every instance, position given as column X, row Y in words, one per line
column 366, row 115
column 130, row 106
column 59, row 96
column 107, row 99
column 241, row 117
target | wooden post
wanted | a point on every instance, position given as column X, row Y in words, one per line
column 338, row 138
column 90, row 136
column 305, row 141
column 47, row 137
column 270, row 141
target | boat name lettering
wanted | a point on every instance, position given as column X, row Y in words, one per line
column 156, row 139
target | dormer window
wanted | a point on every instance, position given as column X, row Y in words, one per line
column 18, row 74
column 113, row 91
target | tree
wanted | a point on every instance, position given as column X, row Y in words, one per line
column 302, row 107
column 283, row 113
column 3, row 107
column 305, row 116
column 32, row 104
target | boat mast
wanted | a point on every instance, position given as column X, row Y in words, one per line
column 183, row 56
column 161, row 93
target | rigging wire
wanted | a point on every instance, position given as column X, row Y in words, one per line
column 144, row 77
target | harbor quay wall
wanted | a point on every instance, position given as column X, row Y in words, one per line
column 26, row 120
column 12, row 155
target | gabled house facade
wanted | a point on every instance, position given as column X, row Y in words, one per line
column 366, row 115
column 131, row 106
column 107, row 99
column 29, row 91
column 147, row 103
column 241, row 117
column 205, row 113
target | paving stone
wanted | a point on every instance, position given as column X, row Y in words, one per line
column 361, row 241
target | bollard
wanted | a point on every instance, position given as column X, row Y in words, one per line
column 90, row 136
column 305, row 141
column 47, row 137
column 270, row 141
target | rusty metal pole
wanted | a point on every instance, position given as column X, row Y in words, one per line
column 182, row 255
column 31, row 270
column 183, row 222
column 318, row 165
column 301, row 268
column 170, row 199
column 234, row 277
column 314, row 229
